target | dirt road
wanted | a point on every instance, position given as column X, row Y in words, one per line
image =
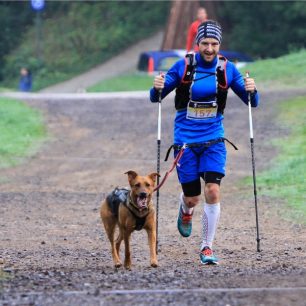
column 55, row 252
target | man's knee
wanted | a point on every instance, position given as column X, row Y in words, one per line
column 192, row 201
column 212, row 193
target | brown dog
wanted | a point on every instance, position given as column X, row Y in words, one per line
column 131, row 209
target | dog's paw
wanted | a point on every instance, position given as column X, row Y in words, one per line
column 154, row 263
column 127, row 264
column 118, row 265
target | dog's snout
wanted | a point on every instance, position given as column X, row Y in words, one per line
column 143, row 195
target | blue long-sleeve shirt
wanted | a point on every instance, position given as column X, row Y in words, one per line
column 198, row 131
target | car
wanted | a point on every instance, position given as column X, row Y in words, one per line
column 160, row 61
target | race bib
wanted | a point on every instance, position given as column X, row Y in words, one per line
column 201, row 110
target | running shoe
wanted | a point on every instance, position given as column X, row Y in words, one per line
column 207, row 257
column 184, row 223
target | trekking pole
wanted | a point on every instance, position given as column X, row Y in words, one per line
column 253, row 166
column 158, row 162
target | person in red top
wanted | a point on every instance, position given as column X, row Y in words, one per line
column 193, row 29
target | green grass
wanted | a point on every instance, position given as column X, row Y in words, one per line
column 286, row 178
column 22, row 131
column 5, row 89
column 129, row 82
column 286, row 71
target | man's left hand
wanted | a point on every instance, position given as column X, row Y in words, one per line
column 249, row 85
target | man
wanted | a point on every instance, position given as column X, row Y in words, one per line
column 193, row 29
column 201, row 91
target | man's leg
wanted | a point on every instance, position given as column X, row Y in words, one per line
column 211, row 215
column 188, row 176
column 190, row 197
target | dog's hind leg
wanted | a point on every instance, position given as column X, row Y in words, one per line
column 110, row 229
column 115, row 253
column 118, row 242
column 110, row 222
column 127, row 259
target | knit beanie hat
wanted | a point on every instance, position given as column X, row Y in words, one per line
column 209, row 29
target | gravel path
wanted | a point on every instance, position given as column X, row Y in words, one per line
column 55, row 252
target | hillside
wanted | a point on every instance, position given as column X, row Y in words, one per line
column 81, row 36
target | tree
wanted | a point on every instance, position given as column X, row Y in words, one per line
column 264, row 29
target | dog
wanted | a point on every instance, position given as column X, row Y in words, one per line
column 131, row 210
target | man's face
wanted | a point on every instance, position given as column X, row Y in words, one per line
column 209, row 48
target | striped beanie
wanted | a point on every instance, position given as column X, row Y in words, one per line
column 209, row 29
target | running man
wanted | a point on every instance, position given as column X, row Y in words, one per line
column 201, row 81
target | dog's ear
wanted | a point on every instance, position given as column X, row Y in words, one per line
column 131, row 175
column 153, row 176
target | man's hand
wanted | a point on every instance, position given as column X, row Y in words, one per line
column 159, row 82
column 249, row 85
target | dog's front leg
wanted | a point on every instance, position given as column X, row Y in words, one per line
column 152, row 244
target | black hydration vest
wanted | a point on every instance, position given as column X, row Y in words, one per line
column 183, row 95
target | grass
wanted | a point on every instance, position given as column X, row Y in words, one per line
column 129, row 82
column 5, row 89
column 287, row 71
column 22, row 131
column 286, row 178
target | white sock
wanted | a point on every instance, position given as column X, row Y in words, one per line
column 210, row 218
column 186, row 209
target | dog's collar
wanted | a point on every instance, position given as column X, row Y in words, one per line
column 135, row 209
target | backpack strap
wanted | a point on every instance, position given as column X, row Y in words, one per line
column 190, row 63
column 221, row 72
column 222, row 86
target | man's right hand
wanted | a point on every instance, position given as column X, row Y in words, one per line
column 159, row 82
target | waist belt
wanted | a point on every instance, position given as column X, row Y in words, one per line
column 203, row 145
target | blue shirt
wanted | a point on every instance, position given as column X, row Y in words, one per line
column 199, row 131
column 25, row 83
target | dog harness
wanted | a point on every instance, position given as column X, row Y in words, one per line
column 122, row 195
column 183, row 91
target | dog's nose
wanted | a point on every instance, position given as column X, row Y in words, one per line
column 143, row 195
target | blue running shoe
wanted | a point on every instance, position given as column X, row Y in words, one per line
column 207, row 257
column 184, row 223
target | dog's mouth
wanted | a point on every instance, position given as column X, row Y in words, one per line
column 142, row 202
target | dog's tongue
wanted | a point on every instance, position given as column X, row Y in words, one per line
column 142, row 202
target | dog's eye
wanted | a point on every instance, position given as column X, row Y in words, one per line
column 148, row 185
column 137, row 185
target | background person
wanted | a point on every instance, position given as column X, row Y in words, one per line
column 193, row 29
column 25, row 81
column 200, row 105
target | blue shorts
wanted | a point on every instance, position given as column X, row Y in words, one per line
column 198, row 160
